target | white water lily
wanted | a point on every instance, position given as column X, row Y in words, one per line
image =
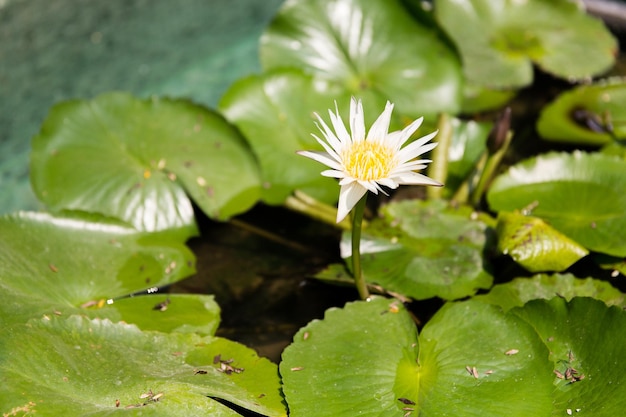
column 366, row 163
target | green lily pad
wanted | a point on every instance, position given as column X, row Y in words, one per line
column 581, row 195
column 275, row 113
column 588, row 114
column 354, row 362
column 471, row 359
column 80, row 366
column 367, row 46
column 477, row 99
column 423, row 250
column 64, row 265
column 467, row 366
column 500, row 41
column 587, row 346
column 134, row 160
column 366, row 360
column 182, row 313
column 519, row 291
column 535, row 245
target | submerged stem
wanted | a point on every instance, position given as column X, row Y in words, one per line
column 357, row 221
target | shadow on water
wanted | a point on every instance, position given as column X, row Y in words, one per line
column 262, row 286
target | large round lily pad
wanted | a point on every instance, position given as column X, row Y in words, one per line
column 275, row 112
column 500, row 40
column 135, row 159
column 366, row 359
column 367, row 45
column 579, row 194
column 471, row 359
column 75, row 366
column 587, row 345
column 58, row 262
column 79, row 264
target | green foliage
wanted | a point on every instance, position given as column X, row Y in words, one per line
column 424, row 249
column 470, row 359
column 275, row 112
column 58, row 263
column 588, row 114
column 368, row 47
column 134, row 160
column 468, row 144
column 579, row 194
column 575, row 334
column 500, row 40
column 80, row 366
column 519, row 291
column 62, row 355
column 535, row 245
column 120, row 175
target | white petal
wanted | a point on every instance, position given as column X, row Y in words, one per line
column 408, row 131
column 415, row 149
column 357, row 120
column 388, row 182
column 349, row 195
column 380, row 128
column 323, row 158
column 413, row 165
column 371, row 186
column 329, row 135
column 414, row 178
column 395, row 140
column 347, row 180
column 339, row 126
column 333, row 173
column 333, row 154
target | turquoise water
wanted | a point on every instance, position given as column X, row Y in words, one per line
column 53, row 50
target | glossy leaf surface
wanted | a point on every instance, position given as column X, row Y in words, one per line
column 77, row 366
column 366, row 47
column 588, row 366
column 135, row 159
column 275, row 112
column 519, row 291
column 470, row 359
column 535, row 245
column 68, row 349
column 499, row 41
column 579, row 194
column 62, row 262
column 423, row 250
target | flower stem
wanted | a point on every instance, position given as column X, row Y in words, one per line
column 491, row 164
column 357, row 221
column 438, row 169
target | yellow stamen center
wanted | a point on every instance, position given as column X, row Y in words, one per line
column 368, row 161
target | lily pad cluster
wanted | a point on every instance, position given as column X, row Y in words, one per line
column 90, row 330
column 75, row 344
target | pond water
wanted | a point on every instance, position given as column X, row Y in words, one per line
column 53, row 50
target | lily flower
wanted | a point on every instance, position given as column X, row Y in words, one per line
column 368, row 163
